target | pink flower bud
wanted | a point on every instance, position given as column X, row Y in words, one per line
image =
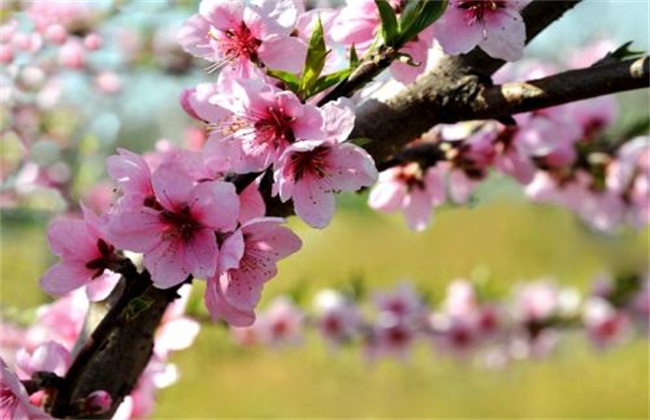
column 93, row 42
column 98, row 402
column 72, row 55
column 6, row 54
column 56, row 34
column 108, row 82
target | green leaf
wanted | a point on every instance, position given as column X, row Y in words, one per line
column 624, row 52
column 354, row 58
column 328, row 80
column 418, row 16
column 389, row 28
column 360, row 141
column 621, row 53
column 315, row 61
column 136, row 307
column 289, row 79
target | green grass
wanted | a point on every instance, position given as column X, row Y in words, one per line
column 509, row 240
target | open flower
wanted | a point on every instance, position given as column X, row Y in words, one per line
column 410, row 189
column 14, row 401
column 84, row 252
column 494, row 25
column 176, row 231
column 264, row 122
column 244, row 36
column 311, row 172
column 248, row 260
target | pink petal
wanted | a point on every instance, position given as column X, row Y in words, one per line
column 454, row 34
column 138, row 231
column 194, row 37
column 219, row 307
column 130, row 171
column 251, row 203
column 284, row 12
column 350, row 168
column 177, row 334
column 70, row 238
column 231, row 252
column 201, row 254
column 215, row 204
column 222, row 14
column 418, row 210
column 387, row 196
column 313, row 202
column 266, row 233
column 166, row 264
column 171, row 185
column 405, row 73
column 460, row 186
column 263, row 26
column 339, row 120
column 100, row 288
column 506, row 35
column 286, row 54
column 62, row 278
column 50, row 356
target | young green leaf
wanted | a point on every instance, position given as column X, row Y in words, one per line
column 290, row 80
column 136, row 307
column 315, row 61
column 354, row 58
column 418, row 17
column 328, row 80
column 623, row 52
column 389, row 28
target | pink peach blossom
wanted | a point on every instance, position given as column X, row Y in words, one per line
column 338, row 318
column 281, row 324
column 311, row 172
column 49, row 356
column 410, row 189
column 84, row 253
column 131, row 172
column 264, row 122
column 247, row 260
column 605, row 324
column 176, row 233
column 494, row 25
column 14, row 401
column 244, row 36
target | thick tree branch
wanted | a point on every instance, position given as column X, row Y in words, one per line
column 570, row 86
column 437, row 95
column 118, row 350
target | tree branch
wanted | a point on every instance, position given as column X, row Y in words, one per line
column 118, row 350
column 437, row 95
column 513, row 98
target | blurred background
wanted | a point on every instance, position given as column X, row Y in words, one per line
column 502, row 238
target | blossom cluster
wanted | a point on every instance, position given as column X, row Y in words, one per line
column 468, row 324
column 273, row 122
column 51, row 342
column 566, row 155
column 54, row 55
column 43, row 47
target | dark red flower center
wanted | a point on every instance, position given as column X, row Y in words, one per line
column 182, row 223
column 398, row 336
column 275, row 128
column 312, row 162
column 477, row 9
column 240, row 42
column 105, row 260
